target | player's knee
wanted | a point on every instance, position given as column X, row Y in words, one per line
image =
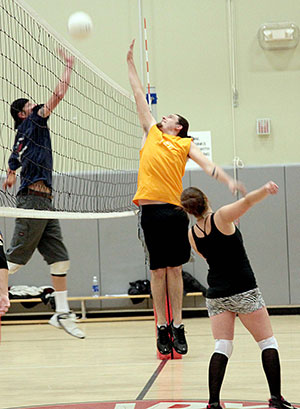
column 268, row 343
column 12, row 267
column 159, row 274
column 60, row 268
column 224, row 346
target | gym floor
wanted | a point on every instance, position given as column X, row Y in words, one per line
column 116, row 367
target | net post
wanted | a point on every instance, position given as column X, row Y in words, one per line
column 147, row 66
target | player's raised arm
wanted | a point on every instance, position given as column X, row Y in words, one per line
column 61, row 88
column 214, row 170
column 231, row 212
column 145, row 116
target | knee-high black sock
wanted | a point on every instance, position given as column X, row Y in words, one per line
column 271, row 365
column 217, row 367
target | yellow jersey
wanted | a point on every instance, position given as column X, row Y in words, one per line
column 162, row 166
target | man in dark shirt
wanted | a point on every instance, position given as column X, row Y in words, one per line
column 32, row 153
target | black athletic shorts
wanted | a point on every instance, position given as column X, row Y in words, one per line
column 165, row 229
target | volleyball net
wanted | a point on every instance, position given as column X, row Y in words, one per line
column 95, row 133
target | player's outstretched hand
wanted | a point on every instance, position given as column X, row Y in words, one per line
column 69, row 59
column 4, row 304
column 130, row 52
column 271, row 188
column 235, row 186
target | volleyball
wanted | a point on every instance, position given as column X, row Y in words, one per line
column 80, row 25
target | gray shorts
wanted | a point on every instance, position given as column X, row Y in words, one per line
column 42, row 234
column 242, row 303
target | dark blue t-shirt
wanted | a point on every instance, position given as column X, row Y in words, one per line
column 32, row 150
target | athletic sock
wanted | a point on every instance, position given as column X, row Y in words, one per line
column 61, row 302
column 271, row 365
column 176, row 326
column 217, row 367
column 162, row 325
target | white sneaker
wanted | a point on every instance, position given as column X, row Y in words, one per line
column 66, row 321
column 53, row 321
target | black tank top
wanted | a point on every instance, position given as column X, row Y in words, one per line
column 229, row 270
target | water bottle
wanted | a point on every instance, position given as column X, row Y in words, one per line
column 95, row 287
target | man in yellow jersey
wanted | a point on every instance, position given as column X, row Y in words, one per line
column 166, row 147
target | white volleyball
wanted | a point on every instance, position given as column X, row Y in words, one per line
column 80, row 25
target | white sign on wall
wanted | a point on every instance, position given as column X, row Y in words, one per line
column 203, row 140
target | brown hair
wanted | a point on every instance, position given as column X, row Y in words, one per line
column 194, row 201
column 185, row 127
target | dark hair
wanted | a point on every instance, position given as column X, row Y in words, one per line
column 194, row 201
column 16, row 107
column 185, row 127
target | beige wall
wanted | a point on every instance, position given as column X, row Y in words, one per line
column 189, row 65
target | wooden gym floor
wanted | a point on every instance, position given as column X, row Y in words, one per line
column 42, row 365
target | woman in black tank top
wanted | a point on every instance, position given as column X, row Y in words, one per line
column 232, row 287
